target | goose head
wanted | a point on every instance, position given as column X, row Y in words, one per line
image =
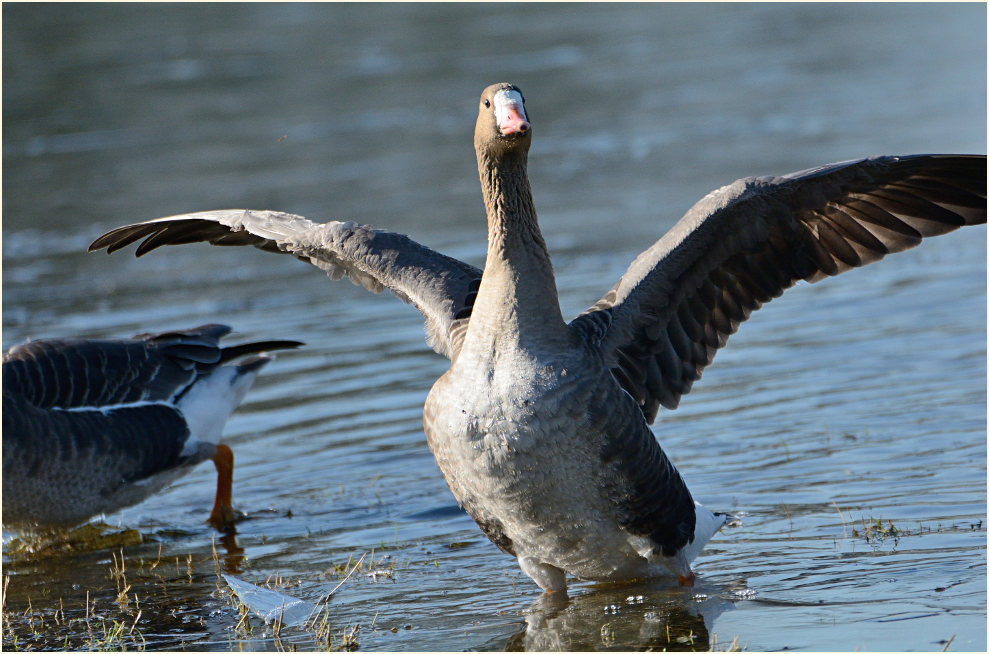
column 503, row 127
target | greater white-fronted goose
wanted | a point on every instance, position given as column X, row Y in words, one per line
column 540, row 426
column 92, row 426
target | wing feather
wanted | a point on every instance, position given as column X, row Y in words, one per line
column 440, row 287
column 744, row 244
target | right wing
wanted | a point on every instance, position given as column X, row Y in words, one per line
column 440, row 287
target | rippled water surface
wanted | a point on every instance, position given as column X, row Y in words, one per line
column 859, row 399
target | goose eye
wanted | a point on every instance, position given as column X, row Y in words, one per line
column 487, row 103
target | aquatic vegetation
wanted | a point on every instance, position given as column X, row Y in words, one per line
column 875, row 532
column 97, row 629
column 279, row 610
column 880, row 531
column 732, row 646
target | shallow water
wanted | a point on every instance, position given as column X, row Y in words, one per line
column 857, row 399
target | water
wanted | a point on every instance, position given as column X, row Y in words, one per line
column 857, row 399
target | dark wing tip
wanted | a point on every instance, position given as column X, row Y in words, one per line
column 121, row 237
column 170, row 231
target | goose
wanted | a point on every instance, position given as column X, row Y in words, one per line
column 92, row 426
column 541, row 426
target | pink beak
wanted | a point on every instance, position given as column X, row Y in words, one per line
column 513, row 122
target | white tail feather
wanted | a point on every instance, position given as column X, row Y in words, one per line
column 208, row 404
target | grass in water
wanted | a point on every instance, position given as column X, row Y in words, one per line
column 875, row 532
column 318, row 627
column 96, row 629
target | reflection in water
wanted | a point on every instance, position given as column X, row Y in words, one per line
column 634, row 617
column 84, row 538
column 233, row 556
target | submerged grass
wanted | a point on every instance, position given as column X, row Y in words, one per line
column 732, row 646
column 103, row 612
column 877, row 531
column 149, row 598
column 319, row 628
column 50, row 628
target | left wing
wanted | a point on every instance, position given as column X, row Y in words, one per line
column 744, row 244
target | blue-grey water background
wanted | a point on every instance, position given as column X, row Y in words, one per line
column 857, row 399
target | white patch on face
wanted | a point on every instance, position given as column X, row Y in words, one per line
column 506, row 98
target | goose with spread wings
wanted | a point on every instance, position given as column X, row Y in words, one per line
column 93, row 425
column 541, row 426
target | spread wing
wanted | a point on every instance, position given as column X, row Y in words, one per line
column 440, row 287
column 746, row 243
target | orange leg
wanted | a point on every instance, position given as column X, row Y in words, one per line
column 223, row 514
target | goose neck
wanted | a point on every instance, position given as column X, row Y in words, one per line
column 518, row 289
